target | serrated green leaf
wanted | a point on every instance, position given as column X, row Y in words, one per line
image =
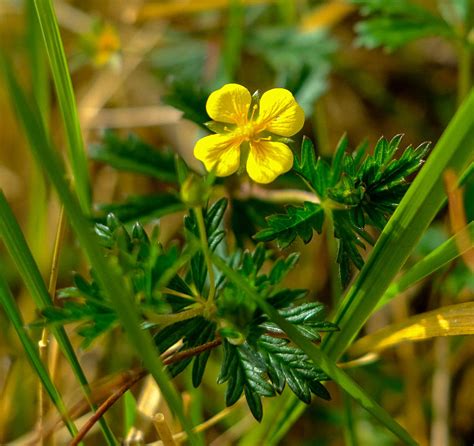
column 212, row 220
column 190, row 98
column 200, row 362
column 298, row 221
column 282, row 267
column 134, row 155
column 141, row 207
column 289, row 365
column 244, row 371
column 254, row 402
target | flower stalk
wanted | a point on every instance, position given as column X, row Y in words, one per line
column 207, row 255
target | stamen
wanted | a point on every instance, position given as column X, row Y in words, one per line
column 254, row 109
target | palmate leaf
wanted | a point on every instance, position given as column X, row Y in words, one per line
column 244, row 370
column 359, row 190
column 307, row 317
column 142, row 263
column 260, row 361
column 297, row 222
column 286, row 364
column 370, row 189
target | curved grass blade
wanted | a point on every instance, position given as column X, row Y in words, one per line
column 452, row 320
column 66, row 99
column 441, row 256
column 318, row 356
column 11, row 310
column 17, row 247
column 109, row 278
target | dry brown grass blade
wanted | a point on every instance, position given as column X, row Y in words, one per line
column 457, row 217
column 452, row 320
column 155, row 115
column 181, row 436
column 326, row 15
column 163, row 430
column 147, row 405
column 160, row 10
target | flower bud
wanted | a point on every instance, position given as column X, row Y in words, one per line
column 195, row 191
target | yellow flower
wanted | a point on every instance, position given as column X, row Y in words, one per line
column 106, row 44
column 248, row 132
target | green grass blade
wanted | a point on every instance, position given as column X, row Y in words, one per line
column 417, row 209
column 66, row 99
column 319, row 357
column 288, row 416
column 37, row 191
column 11, row 310
column 350, row 436
column 109, row 278
column 234, row 37
column 10, row 233
column 441, row 256
column 37, row 61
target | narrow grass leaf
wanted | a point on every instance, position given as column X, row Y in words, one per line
column 436, row 259
column 17, row 247
column 108, row 276
column 37, row 191
column 8, row 302
column 66, row 99
column 319, row 358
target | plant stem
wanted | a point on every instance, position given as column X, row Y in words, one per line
column 275, row 196
column 177, row 293
column 168, row 319
column 44, row 341
column 205, row 248
column 336, row 286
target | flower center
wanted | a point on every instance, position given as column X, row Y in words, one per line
column 248, row 131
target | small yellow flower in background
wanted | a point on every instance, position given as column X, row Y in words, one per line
column 102, row 44
column 107, row 45
column 248, row 132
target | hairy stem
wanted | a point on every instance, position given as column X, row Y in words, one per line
column 207, row 255
column 168, row 319
column 284, row 196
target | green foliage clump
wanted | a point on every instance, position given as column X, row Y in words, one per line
column 357, row 191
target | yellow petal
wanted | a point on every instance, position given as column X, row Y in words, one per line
column 229, row 104
column 280, row 113
column 267, row 160
column 221, row 150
